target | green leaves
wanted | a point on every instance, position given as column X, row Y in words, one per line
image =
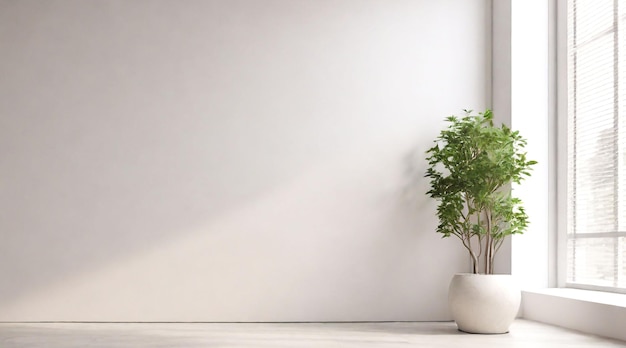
column 471, row 166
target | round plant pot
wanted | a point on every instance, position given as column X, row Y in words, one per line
column 484, row 303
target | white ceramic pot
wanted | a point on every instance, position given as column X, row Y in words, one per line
column 484, row 303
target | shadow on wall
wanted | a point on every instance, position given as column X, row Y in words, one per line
column 416, row 184
column 341, row 241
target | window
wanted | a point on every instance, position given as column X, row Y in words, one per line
column 596, row 112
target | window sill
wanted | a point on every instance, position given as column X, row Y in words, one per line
column 607, row 298
column 594, row 312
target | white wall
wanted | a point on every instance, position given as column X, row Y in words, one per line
column 531, row 115
column 228, row 160
column 520, row 82
column 521, row 95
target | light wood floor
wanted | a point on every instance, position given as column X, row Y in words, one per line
column 190, row 335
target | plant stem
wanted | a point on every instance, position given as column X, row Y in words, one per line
column 488, row 245
column 468, row 246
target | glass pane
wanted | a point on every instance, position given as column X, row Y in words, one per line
column 593, row 146
column 592, row 261
column 593, row 18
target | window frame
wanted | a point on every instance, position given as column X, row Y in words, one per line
column 561, row 92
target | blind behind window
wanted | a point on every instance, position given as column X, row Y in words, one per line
column 596, row 233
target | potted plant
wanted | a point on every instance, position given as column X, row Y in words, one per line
column 471, row 168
